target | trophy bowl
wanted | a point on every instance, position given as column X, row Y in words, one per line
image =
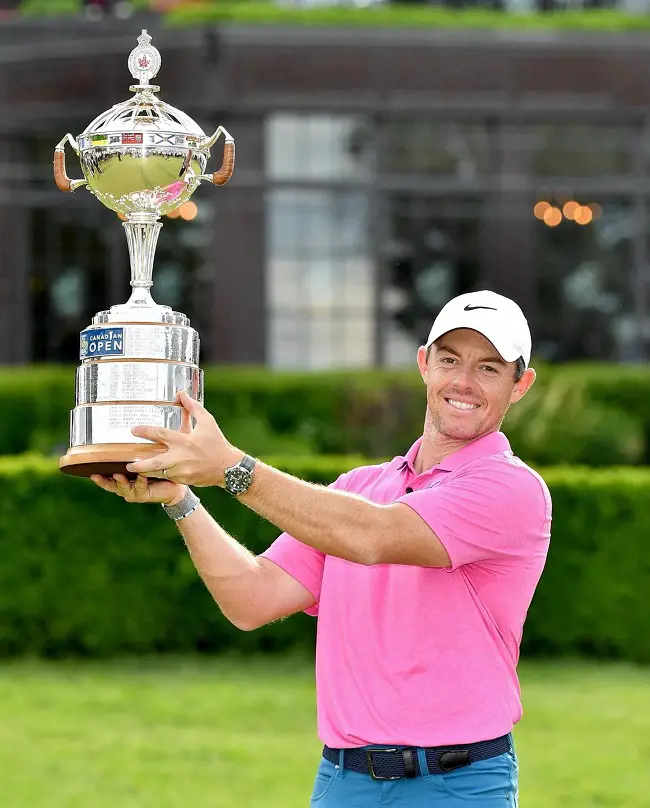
column 142, row 158
column 143, row 155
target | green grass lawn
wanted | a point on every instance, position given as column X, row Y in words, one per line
column 161, row 732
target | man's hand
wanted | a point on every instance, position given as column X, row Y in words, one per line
column 142, row 489
column 194, row 456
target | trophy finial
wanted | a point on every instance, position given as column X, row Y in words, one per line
column 144, row 60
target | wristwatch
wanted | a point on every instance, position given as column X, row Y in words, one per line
column 184, row 508
column 240, row 476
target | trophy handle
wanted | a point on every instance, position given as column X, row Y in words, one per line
column 221, row 176
column 63, row 182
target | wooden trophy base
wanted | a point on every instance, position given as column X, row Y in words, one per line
column 106, row 458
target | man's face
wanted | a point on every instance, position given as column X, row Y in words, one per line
column 469, row 386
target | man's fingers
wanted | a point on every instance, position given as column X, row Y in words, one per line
column 191, row 405
column 158, row 462
column 142, row 490
column 157, row 434
column 140, row 486
column 186, row 421
column 124, row 488
column 107, row 483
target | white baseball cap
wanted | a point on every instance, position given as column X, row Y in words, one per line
column 498, row 318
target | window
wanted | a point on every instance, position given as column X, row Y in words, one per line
column 440, row 148
column 585, row 288
column 325, row 147
column 571, row 150
column 432, row 254
column 320, row 284
column 319, row 279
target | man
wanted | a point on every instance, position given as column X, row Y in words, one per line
column 420, row 570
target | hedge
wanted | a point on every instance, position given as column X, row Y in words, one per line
column 398, row 14
column 574, row 414
column 402, row 14
column 84, row 573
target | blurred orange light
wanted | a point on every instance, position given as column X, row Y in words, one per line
column 540, row 209
column 570, row 209
column 553, row 217
column 188, row 211
column 596, row 209
column 121, row 216
column 174, row 214
column 583, row 215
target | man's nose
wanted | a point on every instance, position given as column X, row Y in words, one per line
column 464, row 378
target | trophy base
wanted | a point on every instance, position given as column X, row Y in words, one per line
column 106, row 458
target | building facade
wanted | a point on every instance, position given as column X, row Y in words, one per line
column 379, row 172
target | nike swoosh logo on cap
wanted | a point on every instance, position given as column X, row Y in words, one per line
column 473, row 308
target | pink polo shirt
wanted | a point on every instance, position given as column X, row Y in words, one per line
column 423, row 656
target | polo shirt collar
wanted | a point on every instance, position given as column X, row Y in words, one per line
column 409, row 458
column 490, row 444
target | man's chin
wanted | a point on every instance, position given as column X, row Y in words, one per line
column 460, row 432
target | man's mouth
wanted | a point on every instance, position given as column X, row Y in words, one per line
column 461, row 405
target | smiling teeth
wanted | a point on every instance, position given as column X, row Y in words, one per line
column 462, row 405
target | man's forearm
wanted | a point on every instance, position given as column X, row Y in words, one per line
column 232, row 574
column 335, row 522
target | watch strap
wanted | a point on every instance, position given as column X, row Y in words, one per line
column 185, row 507
column 247, row 463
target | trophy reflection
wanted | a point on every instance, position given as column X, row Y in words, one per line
column 142, row 159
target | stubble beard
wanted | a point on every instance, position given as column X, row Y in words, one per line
column 458, row 433
column 463, row 433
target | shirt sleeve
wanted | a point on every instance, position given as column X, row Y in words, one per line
column 302, row 562
column 491, row 513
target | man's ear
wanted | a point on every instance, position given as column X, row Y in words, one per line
column 423, row 365
column 523, row 385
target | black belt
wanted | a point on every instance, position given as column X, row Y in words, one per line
column 396, row 762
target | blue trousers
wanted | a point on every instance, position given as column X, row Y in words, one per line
column 489, row 783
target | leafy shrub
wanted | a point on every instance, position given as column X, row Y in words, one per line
column 83, row 572
column 589, row 415
column 558, row 424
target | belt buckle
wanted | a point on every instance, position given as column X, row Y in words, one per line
column 371, row 766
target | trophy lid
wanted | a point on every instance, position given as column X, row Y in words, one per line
column 144, row 111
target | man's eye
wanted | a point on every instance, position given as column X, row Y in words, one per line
column 490, row 368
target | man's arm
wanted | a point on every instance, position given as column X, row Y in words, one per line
column 342, row 524
column 250, row 591
column 335, row 522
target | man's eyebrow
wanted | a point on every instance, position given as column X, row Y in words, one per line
column 448, row 349
column 495, row 359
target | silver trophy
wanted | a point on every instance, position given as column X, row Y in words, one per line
column 142, row 159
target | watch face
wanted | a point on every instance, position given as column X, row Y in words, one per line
column 237, row 480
